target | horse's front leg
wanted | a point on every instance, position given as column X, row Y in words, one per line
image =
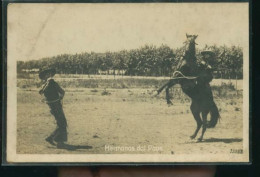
column 164, row 86
column 161, row 89
column 171, row 84
column 168, row 98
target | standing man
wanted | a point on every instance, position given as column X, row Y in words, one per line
column 53, row 95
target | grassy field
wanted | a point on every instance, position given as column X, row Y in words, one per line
column 110, row 81
column 130, row 116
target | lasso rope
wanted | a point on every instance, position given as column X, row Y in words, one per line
column 183, row 76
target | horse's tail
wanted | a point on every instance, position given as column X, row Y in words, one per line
column 215, row 116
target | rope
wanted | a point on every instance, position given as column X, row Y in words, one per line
column 183, row 76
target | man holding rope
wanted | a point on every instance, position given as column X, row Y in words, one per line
column 205, row 75
column 53, row 95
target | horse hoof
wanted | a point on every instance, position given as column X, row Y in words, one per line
column 155, row 94
column 192, row 137
column 169, row 103
column 199, row 139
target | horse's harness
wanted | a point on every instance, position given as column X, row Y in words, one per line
column 177, row 72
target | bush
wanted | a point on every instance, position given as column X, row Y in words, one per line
column 105, row 92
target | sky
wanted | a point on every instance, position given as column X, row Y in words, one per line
column 39, row 30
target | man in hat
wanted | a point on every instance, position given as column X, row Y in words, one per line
column 205, row 75
column 53, row 95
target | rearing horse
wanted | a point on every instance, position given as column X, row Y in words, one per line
column 199, row 92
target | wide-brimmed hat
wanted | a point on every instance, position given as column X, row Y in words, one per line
column 209, row 52
column 42, row 73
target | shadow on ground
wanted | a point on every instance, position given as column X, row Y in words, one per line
column 71, row 147
column 223, row 140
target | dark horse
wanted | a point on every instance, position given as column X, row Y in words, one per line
column 197, row 88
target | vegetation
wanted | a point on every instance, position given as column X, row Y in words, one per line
column 145, row 61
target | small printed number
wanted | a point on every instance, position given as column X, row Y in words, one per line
column 237, row 151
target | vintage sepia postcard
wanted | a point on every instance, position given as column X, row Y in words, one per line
column 127, row 83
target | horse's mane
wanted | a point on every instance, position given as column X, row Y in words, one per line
column 188, row 55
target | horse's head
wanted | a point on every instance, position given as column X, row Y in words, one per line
column 189, row 49
column 191, row 39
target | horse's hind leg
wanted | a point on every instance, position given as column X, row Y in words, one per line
column 204, row 124
column 196, row 114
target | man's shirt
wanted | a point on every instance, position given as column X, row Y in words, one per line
column 52, row 91
column 204, row 73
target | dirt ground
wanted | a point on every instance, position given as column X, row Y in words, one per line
column 125, row 121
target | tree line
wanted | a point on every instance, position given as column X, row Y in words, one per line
column 148, row 60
